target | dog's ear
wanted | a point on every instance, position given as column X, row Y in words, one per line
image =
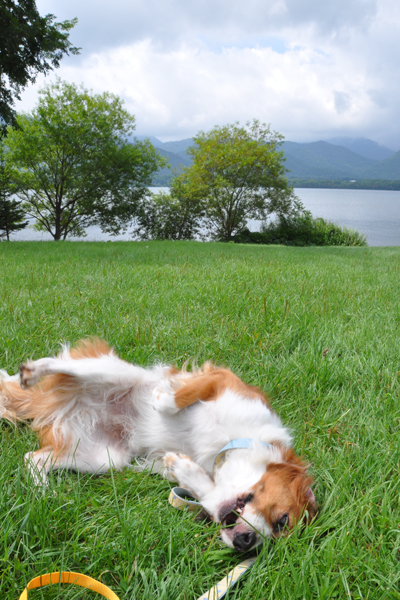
column 304, row 495
column 295, row 473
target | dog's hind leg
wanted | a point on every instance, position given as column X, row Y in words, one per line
column 105, row 370
column 98, row 460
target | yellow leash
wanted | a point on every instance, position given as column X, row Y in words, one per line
column 180, row 499
column 69, row 577
column 217, row 591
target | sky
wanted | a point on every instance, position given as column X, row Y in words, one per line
column 313, row 69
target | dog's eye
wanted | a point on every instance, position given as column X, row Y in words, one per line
column 282, row 522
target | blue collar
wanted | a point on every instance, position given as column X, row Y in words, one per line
column 242, row 443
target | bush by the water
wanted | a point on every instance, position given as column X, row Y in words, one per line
column 302, row 230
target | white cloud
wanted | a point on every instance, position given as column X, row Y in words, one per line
column 313, row 69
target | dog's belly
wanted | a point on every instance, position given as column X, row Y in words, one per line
column 202, row 429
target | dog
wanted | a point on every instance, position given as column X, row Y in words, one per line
column 94, row 411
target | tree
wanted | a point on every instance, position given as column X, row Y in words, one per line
column 173, row 216
column 29, row 44
column 76, row 167
column 240, row 174
column 11, row 213
column 11, row 217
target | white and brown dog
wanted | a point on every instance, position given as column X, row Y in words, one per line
column 92, row 410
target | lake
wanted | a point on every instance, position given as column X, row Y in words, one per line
column 373, row 212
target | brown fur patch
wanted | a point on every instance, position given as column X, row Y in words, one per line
column 49, row 442
column 41, row 401
column 15, row 400
column 173, row 370
column 210, row 382
column 284, row 488
column 90, row 348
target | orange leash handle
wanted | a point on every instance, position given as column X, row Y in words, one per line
column 69, row 577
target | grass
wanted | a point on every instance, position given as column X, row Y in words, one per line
column 317, row 328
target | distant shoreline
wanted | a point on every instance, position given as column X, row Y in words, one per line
column 360, row 184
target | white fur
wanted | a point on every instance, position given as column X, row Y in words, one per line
column 120, row 411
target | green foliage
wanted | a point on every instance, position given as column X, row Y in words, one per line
column 302, row 230
column 11, row 213
column 317, row 328
column 11, row 217
column 173, row 216
column 239, row 174
column 76, row 167
column 29, row 44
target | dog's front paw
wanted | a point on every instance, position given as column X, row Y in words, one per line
column 171, row 459
column 169, row 462
column 173, row 464
column 164, row 398
column 181, row 468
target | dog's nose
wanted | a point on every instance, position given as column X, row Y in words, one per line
column 244, row 541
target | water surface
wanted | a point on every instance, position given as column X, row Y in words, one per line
column 373, row 212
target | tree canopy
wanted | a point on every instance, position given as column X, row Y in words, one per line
column 29, row 44
column 75, row 165
column 240, row 174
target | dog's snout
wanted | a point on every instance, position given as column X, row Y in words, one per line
column 244, row 541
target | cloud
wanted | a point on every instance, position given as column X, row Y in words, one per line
column 312, row 69
column 342, row 101
column 105, row 24
column 187, row 88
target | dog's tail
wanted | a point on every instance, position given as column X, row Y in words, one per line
column 41, row 404
column 16, row 404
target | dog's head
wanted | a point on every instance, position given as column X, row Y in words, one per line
column 268, row 508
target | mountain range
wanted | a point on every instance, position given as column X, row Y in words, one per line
column 341, row 159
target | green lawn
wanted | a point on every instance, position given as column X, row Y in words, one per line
column 317, row 328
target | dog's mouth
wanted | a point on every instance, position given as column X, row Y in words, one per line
column 231, row 511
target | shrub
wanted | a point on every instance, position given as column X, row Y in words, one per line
column 302, row 230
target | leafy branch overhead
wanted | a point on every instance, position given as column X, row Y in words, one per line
column 29, row 44
column 76, row 166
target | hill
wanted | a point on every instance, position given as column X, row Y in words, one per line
column 363, row 147
column 155, row 141
column 357, row 159
column 179, row 147
column 386, row 169
column 321, row 160
column 176, row 162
